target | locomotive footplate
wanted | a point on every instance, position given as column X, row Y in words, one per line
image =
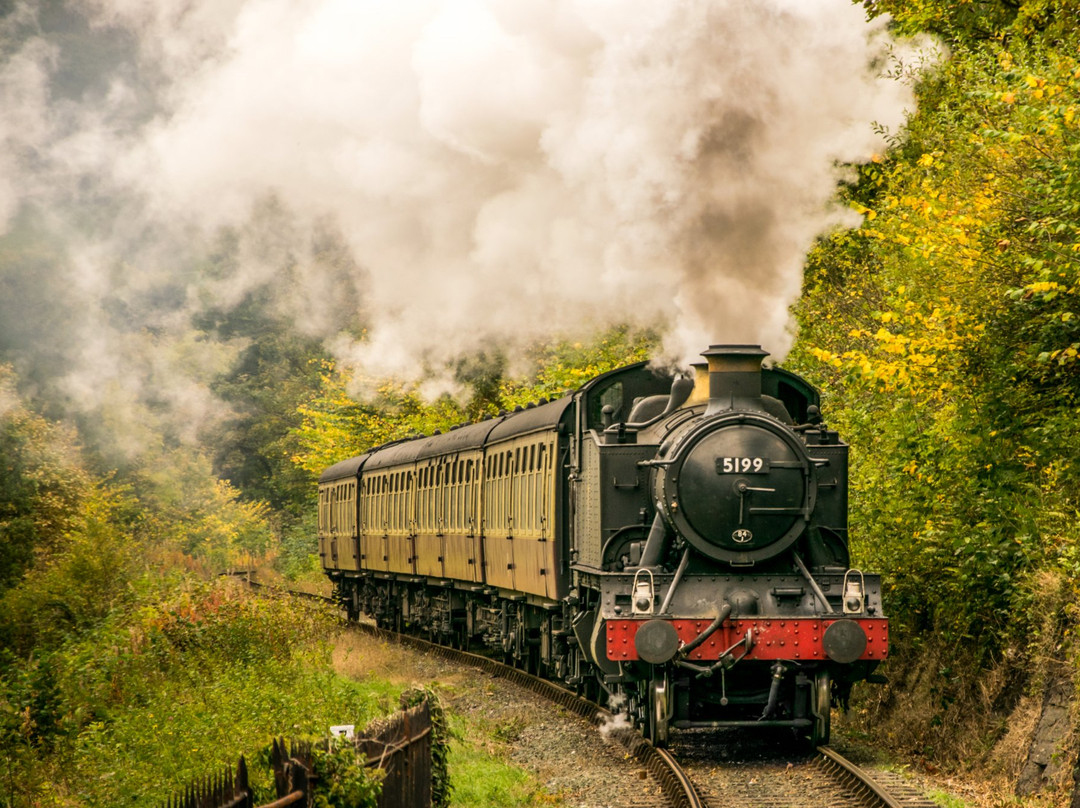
column 801, row 638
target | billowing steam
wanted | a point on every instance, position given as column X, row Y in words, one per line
column 448, row 174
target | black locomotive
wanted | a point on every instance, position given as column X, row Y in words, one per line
column 674, row 547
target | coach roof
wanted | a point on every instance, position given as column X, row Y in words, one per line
column 346, row 468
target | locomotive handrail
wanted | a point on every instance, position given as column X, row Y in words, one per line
column 675, row 582
column 813, row 584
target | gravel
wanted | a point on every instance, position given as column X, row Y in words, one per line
column 569, row 757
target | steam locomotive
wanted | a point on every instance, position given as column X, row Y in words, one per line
column 675, row 547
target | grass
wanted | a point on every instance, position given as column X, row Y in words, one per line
column 482, row 777
column 187, row 727
column 946, row 800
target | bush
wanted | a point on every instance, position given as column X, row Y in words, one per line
column 182, row 682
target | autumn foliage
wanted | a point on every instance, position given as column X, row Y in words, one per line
column 945, row 332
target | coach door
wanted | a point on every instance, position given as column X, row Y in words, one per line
column 373, row 554
column 462, row 539
column 533, row 516
column 397, row 523
column 429, row 540
column 498, row 517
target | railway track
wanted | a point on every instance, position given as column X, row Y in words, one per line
column 691, row 775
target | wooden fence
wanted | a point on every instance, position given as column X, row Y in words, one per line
column 400, row 746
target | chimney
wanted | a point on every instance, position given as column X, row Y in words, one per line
column 734, row 378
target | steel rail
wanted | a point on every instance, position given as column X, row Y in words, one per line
column 869, row 791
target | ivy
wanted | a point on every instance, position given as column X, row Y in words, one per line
column 342, row 779
column 441, row 788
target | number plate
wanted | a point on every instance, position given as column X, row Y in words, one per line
column 742, row 465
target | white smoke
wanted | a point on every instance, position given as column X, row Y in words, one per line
column 493, row 171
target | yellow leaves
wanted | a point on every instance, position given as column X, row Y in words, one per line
column 926, row 161
column 890, row 342
column 1044, row 286
column 912, row 348
column 1008, row 97
column 869, row 213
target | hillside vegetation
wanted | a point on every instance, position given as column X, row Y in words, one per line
column 946, row 333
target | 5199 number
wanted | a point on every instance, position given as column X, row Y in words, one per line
column 742, row 465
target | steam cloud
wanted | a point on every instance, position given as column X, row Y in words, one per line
column 456, row 173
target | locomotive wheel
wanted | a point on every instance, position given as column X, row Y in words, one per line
column 656, row 712
column 822, row 709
